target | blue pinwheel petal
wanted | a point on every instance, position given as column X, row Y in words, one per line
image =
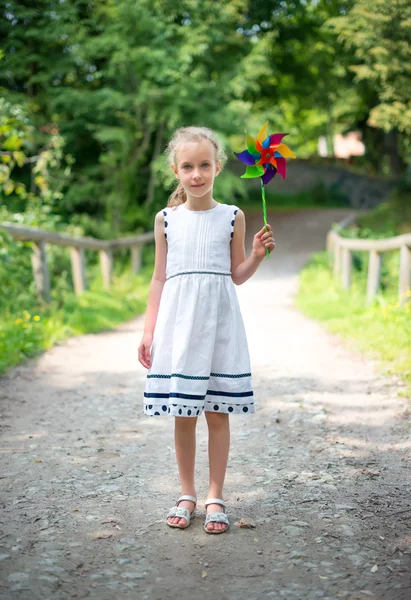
column 278, row 154
column 247, row 158
column 268, row 175
column 266, row 142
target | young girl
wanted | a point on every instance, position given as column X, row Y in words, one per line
column 194, row 344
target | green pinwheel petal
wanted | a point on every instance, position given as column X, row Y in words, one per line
column 253, row 172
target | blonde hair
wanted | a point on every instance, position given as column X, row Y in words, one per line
column 191, row 134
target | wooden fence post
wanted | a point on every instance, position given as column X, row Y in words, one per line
column 405, row 272
column 374, row 274
column 330, row 244
column 106, row 262
column 78, row 269
column 136, row 258
column 337, row 259
column 346, row 263
column 41, row 270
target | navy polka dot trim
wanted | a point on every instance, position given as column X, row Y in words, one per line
column 179, row 410
column 165, row 222
column 233, row 222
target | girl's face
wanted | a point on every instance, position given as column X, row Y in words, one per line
column 196, row 167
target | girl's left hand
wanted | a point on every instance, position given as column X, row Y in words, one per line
column 263, row 240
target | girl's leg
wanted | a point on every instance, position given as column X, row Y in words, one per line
column 218, row 449
column 185, row 445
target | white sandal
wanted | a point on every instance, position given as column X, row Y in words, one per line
column 216, row 517
column 182, row 513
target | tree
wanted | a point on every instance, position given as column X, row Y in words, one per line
column 379, row 35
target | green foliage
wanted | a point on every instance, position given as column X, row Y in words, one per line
column 39, row 158
column 379, row 33
column 114, row 79
column 24, row 332
column 382, row 329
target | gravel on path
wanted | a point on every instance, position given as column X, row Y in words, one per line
column 320, row 474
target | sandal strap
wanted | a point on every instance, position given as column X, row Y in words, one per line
column 189, row 498
column 216, row 518
column 215, row 501
column 179, row 512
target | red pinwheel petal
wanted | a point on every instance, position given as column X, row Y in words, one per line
column 247, row 158
column 268, row 175
column 281, row 166
column 276, row 138
column 258, row 146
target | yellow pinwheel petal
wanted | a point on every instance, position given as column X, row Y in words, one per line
column 262, row 133
column 285, row 151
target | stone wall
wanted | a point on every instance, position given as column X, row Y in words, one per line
column 361, row 191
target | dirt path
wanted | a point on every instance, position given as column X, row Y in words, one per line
column 321, row 468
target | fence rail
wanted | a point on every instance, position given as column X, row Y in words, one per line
column 78, row 246
column 342, row 248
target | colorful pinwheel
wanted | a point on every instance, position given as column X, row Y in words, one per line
column 264, row 157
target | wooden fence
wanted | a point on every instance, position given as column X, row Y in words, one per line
column 342, row 248
column 78, row 246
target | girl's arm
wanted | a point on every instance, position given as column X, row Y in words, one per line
column 242, row 268
column 156, row 289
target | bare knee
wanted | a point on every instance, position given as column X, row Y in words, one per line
column 217, row 420
column 185, row 423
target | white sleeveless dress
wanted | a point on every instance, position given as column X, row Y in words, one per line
column 199, row 357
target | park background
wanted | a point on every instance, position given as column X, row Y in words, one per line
column 91, row 91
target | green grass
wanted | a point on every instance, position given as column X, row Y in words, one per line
column 24, row 333
column 382, row 330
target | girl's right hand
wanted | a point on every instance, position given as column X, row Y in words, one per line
column 144, row 350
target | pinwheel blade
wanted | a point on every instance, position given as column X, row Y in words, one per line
column 276, row 138
column 262, row 133
column 250, row 142
column 268, row 175
column 266, row 142
column 253, row 172
column 247, row 158
column 285, row 151
column 281, row 166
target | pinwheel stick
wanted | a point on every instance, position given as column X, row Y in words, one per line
column 267, row 252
